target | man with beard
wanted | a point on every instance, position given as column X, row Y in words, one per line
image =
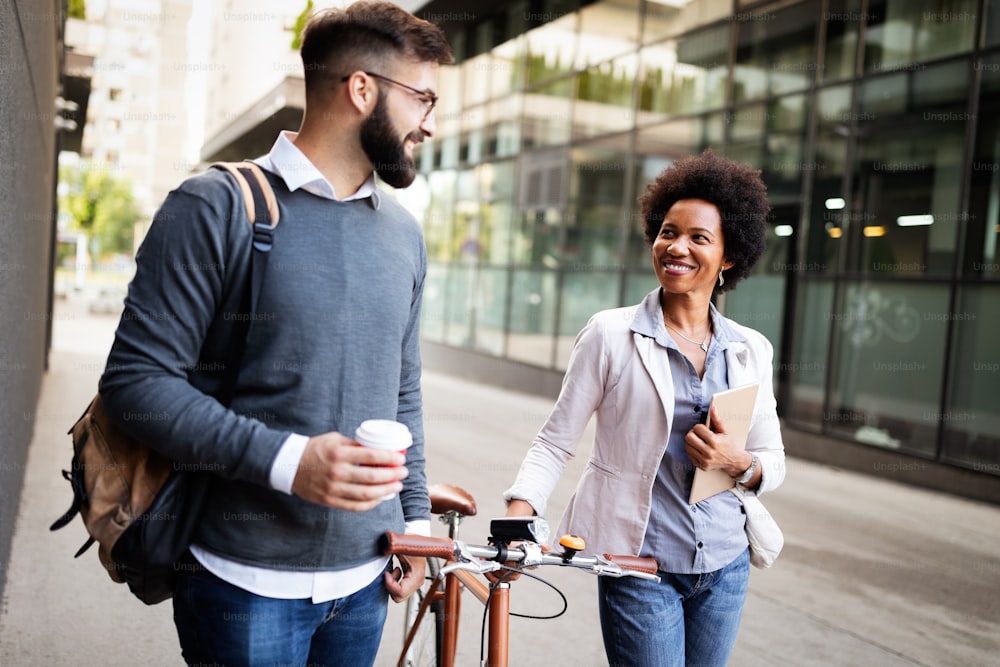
column 285, row 568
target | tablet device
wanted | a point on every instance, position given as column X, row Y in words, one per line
column 735, row 407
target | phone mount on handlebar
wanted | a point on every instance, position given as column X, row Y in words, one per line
column 533, row 529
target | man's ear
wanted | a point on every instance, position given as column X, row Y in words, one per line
column 362, row 93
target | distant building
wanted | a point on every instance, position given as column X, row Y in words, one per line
column 136, row 117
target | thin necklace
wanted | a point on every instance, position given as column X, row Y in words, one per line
column 703, row 344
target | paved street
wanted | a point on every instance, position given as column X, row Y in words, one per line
column 873, row 573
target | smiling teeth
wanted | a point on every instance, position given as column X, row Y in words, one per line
column 678, row 267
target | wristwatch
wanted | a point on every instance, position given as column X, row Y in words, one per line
column 748, row 475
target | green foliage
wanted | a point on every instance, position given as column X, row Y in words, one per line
column 100, row 205
column 300, row 24
column 77, row 9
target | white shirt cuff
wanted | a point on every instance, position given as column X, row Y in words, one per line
column 286, row 463
column 420, row 527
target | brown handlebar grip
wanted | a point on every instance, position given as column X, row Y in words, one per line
column 647, row 565
column 416, row 545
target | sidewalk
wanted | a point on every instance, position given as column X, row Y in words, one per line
column 873, row 573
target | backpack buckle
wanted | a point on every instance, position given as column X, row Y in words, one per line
column 263, row 237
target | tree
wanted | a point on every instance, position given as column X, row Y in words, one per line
column 300, row 24
column 77, row 9
column 100, row 205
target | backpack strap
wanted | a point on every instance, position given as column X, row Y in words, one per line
column 263, row 214
column 246, row 173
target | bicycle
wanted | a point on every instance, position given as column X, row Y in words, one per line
column 422, row 641
column 463, row 563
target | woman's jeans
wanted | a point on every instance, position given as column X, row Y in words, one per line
column 686, row 619
column 221, row 624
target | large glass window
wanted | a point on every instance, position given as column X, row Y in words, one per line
column 805, row 369
column 981, row 258
column 759, row 301
column 583, row 294
column 684, row 136
column 533, row 304
column 472, row 134
column 972, row 421
column 828, row 212
column 496, row 212
column 447, row 115
column 684, row 75
column 466, row 242
column 597, row 192
column 843, row 22
column 908, row 172
column 537, row 236
column 604, row 98
column 888, row 364
column 460, row 294
column 903, row 32
column 784, row 146
column 608, row 29
column 440, row 214
column 776, row 52
column 541, row 207
column 548, row 114
column 504, row 139
column 506, row 68
column 477, row 73
column 639, row 283
column 551, row 49
column 771, row 136
column 435, row 302
column 666, row 18
column 992, row 22
column 489, row 310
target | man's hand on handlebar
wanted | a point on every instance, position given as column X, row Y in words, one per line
column 404, row 580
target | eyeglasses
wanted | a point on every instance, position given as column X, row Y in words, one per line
column 427, row 98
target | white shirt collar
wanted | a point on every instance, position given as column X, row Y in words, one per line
column 292, row 165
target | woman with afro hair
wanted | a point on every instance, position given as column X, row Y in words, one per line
column 649, row 372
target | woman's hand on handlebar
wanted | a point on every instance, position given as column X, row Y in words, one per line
column 516, row 507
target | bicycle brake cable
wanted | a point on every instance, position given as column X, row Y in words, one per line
column 489, row 599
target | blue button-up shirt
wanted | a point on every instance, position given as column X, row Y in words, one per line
column 684, row 538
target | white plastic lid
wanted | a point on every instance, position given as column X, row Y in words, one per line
column 384, row 434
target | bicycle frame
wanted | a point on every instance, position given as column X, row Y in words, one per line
column 497, row 596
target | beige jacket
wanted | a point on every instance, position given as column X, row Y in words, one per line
column 620, row 372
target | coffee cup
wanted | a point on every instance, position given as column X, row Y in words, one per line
column 384, row 434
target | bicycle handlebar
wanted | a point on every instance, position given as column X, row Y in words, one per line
column 488, row 558
column 392, row 544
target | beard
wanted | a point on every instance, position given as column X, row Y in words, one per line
column 385, row 150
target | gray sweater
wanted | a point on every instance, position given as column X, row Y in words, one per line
column 334, row 341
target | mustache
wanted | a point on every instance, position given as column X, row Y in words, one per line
column 417, row 136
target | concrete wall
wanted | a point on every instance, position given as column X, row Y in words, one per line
column 29, row 74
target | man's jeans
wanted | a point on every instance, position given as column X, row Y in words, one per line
column 221, row 624
column 686, row 619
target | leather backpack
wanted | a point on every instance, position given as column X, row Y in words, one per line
column 139, row 506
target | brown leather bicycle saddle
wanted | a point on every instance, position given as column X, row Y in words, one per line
column 447, row 498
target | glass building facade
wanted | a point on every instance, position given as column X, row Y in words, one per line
column 876, row 124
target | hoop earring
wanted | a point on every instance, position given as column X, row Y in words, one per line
column 722, row 281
